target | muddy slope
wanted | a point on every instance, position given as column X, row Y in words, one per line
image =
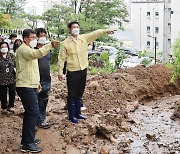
column 108, row 100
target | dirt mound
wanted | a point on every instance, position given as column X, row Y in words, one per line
column 139, row 83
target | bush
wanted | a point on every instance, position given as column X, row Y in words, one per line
column 100, row 64
column 120, row 56
column 146, row 61
column 176, row 71
column 54, row 55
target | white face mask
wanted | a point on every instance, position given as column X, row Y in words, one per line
column 89, row 48
column 4, row 50
column 75, row 31
column 42, row 40
column 33, row 43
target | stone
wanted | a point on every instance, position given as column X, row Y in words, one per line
column 104, row 150
column 72, row 150
column 94, row 85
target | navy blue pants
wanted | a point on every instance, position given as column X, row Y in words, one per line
column 43, row 97
column 30, row 103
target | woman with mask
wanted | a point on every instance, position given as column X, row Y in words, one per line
column 7, row 77
column 17, row 44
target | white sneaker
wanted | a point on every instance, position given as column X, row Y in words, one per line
column 83, row 108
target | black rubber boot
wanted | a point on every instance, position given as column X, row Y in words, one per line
column 78, row 114
column 71, row 111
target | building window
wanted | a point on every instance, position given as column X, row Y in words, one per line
column 148, row 44
column 148, row 15
column 156, row 29
column 157, row 15
column 148, row 29
column 157, row 45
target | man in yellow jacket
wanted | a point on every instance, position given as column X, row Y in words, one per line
column 74, row 51
column 27, row 82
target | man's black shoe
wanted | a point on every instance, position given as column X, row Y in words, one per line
column 44, row 125
column 31, row 148
column 37, row 141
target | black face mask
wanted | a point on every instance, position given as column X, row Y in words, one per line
column 17, row 45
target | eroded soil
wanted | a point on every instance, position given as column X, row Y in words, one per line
column 129, row 111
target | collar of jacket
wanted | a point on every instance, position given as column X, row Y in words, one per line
column 70, row 39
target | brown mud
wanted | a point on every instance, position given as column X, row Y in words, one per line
column 130, row 111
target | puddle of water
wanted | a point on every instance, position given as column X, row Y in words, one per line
column 154, row 118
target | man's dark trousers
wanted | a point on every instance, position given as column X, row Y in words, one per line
column 76, row 82
column 30, row 103
column 43, row 97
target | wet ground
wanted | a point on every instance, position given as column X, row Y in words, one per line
column 153, row 131
column 115, row 124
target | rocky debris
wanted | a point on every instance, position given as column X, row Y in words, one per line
column 132, row 106
column 102, row 130
column 176, row 114
column 151, row 137
column 94, row 85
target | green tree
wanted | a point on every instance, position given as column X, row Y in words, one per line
column 18, row 23
column 90, row 14
column 12, row 7
column 3, row 21
column 55, row 20
column 104, row 12
column 176, row 72
column 100, row 14
column 31, row 20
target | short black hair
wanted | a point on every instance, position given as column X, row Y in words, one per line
column 40, row 30
column 27, row 32
column 72, row 23
column 13, row 35
column 3, row 42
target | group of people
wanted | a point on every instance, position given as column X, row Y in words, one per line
column 8, row 49
column 30, row 68
column 8, row 74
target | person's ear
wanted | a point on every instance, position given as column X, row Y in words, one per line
column 69, row 30
column 25, row 39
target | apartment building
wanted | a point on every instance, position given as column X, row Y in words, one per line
column 152, row 19
column 48, row 4
column 175, row 18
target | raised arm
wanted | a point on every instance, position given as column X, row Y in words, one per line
column 96, row 34
column 32, row 54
